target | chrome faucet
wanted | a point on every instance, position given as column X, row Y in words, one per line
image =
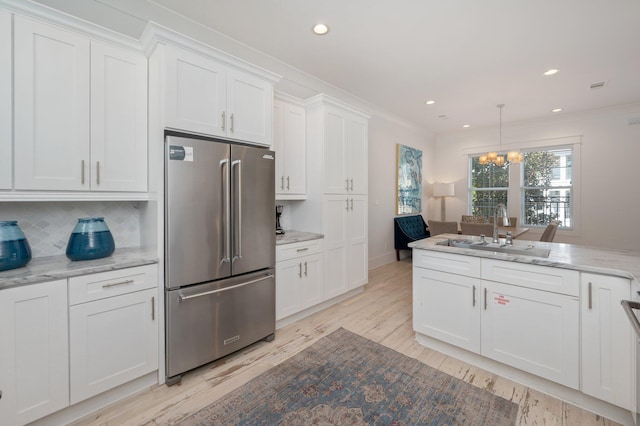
column 501, row 209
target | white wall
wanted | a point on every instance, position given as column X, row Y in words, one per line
column 383, row 137
column 608, row 210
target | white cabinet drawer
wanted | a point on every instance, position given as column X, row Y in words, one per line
column 557, row 280
column 447, row 262
column 293, row 250
column 113, row 283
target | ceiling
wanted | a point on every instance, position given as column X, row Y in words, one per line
column 467, row 55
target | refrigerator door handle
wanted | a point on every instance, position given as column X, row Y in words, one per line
column 238, row 212
column 220, row 290
column 226, row 213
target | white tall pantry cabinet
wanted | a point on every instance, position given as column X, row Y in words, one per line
column 289, row 143
column 339, row 134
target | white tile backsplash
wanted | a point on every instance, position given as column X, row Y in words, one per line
column 48, row 225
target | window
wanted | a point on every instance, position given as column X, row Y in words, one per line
column 547, row 186
column 489, row 186
column 542, row 186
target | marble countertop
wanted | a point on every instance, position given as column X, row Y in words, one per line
column 621, row 263
column 51, row 268
column 296, row 236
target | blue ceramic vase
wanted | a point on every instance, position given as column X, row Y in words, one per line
column 14, row 247
column 90, row 239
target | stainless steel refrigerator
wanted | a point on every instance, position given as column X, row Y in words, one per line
column 219, row 250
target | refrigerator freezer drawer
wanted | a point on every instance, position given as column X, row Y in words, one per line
column 208, row 321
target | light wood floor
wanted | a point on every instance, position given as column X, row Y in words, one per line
column 381, row 313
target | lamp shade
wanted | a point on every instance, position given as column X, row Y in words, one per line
column 443, row 190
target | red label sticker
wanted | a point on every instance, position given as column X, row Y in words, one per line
column 501, row 300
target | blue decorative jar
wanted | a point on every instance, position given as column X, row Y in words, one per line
column 14, row 247
column 90, row 239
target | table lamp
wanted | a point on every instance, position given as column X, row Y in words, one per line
column 443, row 190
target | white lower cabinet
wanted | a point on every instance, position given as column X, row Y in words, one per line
column 532, row 330
column 299, row 273
column 34, row 352
column 113, row 329
column 606, row 339
column 346, row 243
column 535, row 331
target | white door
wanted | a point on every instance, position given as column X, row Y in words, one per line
column 357, row 142
column 118, row 119
column 6, row 104
column 288, row 288
column 249, row 107
column 335, row 210
column 606, row 339
column 34, row 357
column 447, row 307
column 51, row 107
column 335, row 160
column 112, row 341
column 535, row 331
column 195, row 93
column 358, row 255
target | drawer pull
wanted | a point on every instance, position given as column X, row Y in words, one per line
column 117, row 283
column 302, row 249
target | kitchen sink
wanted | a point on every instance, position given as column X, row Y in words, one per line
column 496, row 248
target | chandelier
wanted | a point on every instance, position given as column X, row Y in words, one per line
column 498, row 160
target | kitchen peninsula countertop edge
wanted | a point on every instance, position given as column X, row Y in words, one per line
column 290, row 237
column 598, row 260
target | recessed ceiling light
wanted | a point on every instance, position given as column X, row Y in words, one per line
column 556, row 110
column 320, row 29
column 465, row 125
column 430, row 102
column 551, row 71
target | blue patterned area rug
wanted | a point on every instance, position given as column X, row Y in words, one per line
column 345, row 379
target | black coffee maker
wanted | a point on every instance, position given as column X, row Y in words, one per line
column 279, row 229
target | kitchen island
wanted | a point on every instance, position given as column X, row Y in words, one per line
column 551, row 321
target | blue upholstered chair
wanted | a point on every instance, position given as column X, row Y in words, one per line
column 407, row 229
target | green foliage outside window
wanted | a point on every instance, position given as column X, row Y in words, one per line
column 489, row 187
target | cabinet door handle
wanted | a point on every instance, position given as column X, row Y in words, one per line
column 590, row 295
column 474, row 296
column 347, row 202
column 82, row 172
column 305, row 269
column 352, row 204
column 153, row 308
column 287, row 182
column 224, row 120
column 281, row 182
column 98, row 172
column 231, row 122
column 300, row 269
column 352, row 184
column 117, row 283
column 346, row 184
column 485, row 298
column 302, row 249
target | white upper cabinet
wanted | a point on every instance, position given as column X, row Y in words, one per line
column 80, row 112
column 6, row 118
column 118, row 119
column 344, row 139
column 289, row 143
column 208, row 97
column 196, row 94
column 51, row 107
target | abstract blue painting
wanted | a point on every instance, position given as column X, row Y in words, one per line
column 409, row 180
